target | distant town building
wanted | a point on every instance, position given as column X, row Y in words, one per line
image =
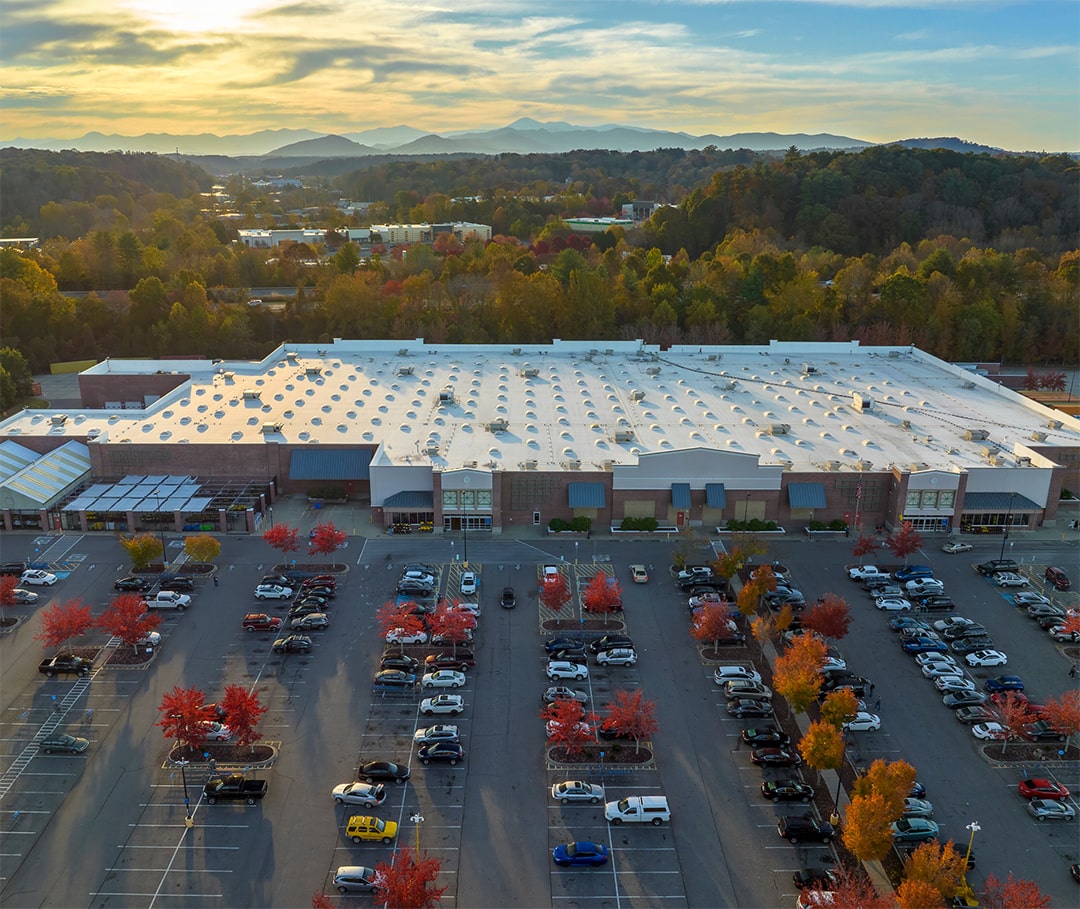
column 596, row 225
column 390, row 234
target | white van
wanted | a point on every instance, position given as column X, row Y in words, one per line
column 639, row 809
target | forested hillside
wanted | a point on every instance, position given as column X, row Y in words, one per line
column 969, row 257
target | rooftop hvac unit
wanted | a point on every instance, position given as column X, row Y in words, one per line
column 498, row 426
column 290, row 355
column 809, row 369
column 894, row 354
column 405, row 370
column 624, row 435
column 653, row 371
column 637, row 396
column 271, row 428
column 227, row 376
column 58, row 419
column 863, row 465
column 916, row 466
column 446, row 396
column 712, row 358
column 988, row 451
column 516, row 352
column 906, row 424
column 432, row 448
column 530, row 372
column 779, row 429
column 609, row 351
column 252, row 394
column 574, row 464
column 860, row 402
column 403, row 352
column 608, row 465
column 976, row 435
column 93, row 434
column 528, row 465
column 468, row 463
column 995, row 460
column 1024, row 462
column 830, row 465
column 1053, row 424
column 969, row 385
column 1038, row 436
column 313, row 370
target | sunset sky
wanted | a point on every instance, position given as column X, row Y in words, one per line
column 1000, row 73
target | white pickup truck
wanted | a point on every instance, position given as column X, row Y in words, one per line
column 864, row 572
column 168, row 599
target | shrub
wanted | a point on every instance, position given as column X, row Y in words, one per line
column 645, row 524
column 753, row 525
column 837, row 524
column 327, row 492
column 558, row 525
column 581, row 524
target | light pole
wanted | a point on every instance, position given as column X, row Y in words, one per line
column 187, row 801
column 1008, row 521
column 974, row 828
column 465, row 525
column 417, row 818
column 161, row 529
column 834, row 818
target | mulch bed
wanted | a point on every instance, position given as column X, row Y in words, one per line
column 1030, row 752
column 579, row 625
column 613, row 754
column 122, row 656
column 223, row 753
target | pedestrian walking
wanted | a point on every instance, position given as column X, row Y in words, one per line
column 871, row 689
column 1072, row 671
column 877, row 705
column 215, row 580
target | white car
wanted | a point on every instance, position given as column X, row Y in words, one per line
column 1027, row 598
column 564, row 669
column 217, row 732
column 621, row 656
column 862, row 572
column 924, row 587
column 472, row 609
column 577, row 791
column 986, row 658
column 989, row 732
column 562, row 693
column 419, row 577
column 273, row 592
column 38, row 578
column 443, row 678
column 925, row 659
column 956, row 547
column 1010, row 579
column 401, row 636
column 1058, row 633
column 705, row 598
column 893, row 604
column 937, row 670
column 429, row 735
column 467, row 584
column 153, row 638
column 722, row 674
column 552, row 727
column 864, row 722
column 367, row 794
column 950, row 683
column 832, row 662
column 443, row 703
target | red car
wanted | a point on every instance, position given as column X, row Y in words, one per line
column 460, row 661
column 1042, row 789
column 320, row 580
column 1057, row 577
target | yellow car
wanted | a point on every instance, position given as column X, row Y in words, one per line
column 363, row 827
column 639, row 574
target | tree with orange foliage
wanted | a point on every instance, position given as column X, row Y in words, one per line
column 940, row 867
column 892, row 780
column 797, row 674
column 407, row 881
column 602, row 594
column 142, row 548
column 1063, row 713
column 728, row 563
column 917, row 894
column 864, row 546
column 569, row 725
column 326, row 539
column 712, row 622
column 866, row 832
column 823, row 746
column 8, row 583
column 283, row 538
column 1012, row 893
column 839, row 706
column 829, row 617
column 630, row 714
column 63, row 621
column 554, row 592
column 128, row 619
column 764, row 628
column 905, row 541
column 784, row 618
column 749, row 597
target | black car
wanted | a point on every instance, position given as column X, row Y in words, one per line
column 443, row 752
column 995, row 565
column 822, row 878
column 956, row 632
column 608, row 730
column 508, row 600
column 744, row 707
column 804, row 829
column 282, row 580
column 954, row 700
column 759, row 736
column 139, row 585
column 409, row 588
column 13, row 568
column 875, row 583
column 399, row 661
column 788, row 790
column 176, row 582
column 734, row 639
column 937, row 603
column 395, row 678
column 305, row 609
column 611, row 642
column 970, row 645
column 374, row 771
column 317, row 591
column 570, row 656
column 1042, row 731
column 842, row 678
column 294, row 643
column 322, row 602
column 563, row 643
column 713, row 581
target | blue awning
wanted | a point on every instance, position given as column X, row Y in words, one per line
column 998, row 501
column 680, row 495
column 806, row 495
column 329, row 464
column 420, row 499
column 714, row 495
column 586, row 495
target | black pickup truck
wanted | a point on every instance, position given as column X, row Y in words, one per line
column 64, row 663
column 234, row 787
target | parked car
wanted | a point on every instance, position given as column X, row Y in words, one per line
column 441, row 753
column 415, row 588
column 775, row 757
column 1042, row 788
column 917, row 808
column 729, row 673
column 895, row 604
column 804, row 829
column 360, row 829
column 995, row 565
column 467, row 583
column 760, row 736
column 1004, row 683
column 559, row 669
column 1043, row 731
column 911, row 572
column 260, row 621
column 383, row 770
column 69, row 744
column 400, row 661
column 638, row 574
column 401, row 636
column 954, row 700
column 969, row 716
column 956, row 546
column 970, row 645
column 38, row 578
column 1046, row 810
column 132, row 583
column 461, row 660
column 816, row 880
column 313, row 621
column 1057, row 577
column 1030, row 598
column 429, row 735
column 935, row 603
column 744, row 707
column 787, row 790
column 319, row 580
column 273, row 592
column 355, row 879
column 443, row 678
column 1009, row 579
column 864, row 722
column 986, row 658
column 366, row 794
column 24, row 597
column 452, row 704
column 746, row 689
column 508, row 600
column 610, row 642
column 990, row 732
column 864, row 572
column 562, row 693
column 394, row 678
column 294, row 643
column 924, row 587
column 582, row 852
column 914, row 830
column 577, row 791
column 622, row 656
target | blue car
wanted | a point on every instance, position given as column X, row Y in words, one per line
column 580, row 853
column 924, row 645
column 905, row 621
column 1004, row 683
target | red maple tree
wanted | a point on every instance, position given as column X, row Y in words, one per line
column 852, row 889
column 283, row 538
column 712, row 622
column 630, row 714
column 829, row 617
column 554, row 593
column 63, row 621
column 905, row 541
column 244, row 711
column 602, row 594
column 128, row 619
column 320, row 900
column 1063, row 712
column 407, row 881
column 569, row 725
column 452, row 623
column 391, row 616
column 8, row 583
column 1014, row 713
column 1012, row 893
column 865, row 545
column 326, row 538
column 184, row 716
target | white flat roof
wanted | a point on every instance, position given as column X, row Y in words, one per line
column 596, row 402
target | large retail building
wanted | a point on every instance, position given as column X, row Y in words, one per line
column 434, row 437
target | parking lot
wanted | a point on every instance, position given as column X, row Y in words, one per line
column 491, row 819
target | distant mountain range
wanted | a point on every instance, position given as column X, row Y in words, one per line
column 524, row 136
